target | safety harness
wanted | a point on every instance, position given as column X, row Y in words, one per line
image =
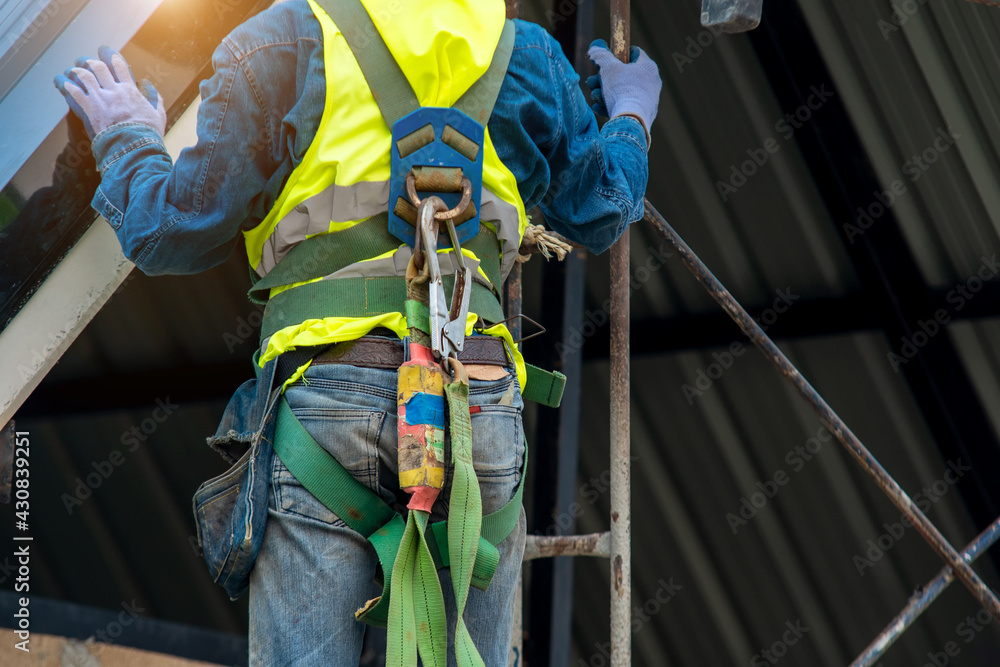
column 437, row 152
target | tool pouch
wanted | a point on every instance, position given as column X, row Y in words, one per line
column 231, row 510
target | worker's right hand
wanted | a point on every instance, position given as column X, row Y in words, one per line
column 103, row 93
column 619, row 88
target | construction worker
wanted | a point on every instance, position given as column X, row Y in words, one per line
column 293, row 145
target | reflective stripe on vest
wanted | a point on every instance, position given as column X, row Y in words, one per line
column 443, row 47
column 349, row 204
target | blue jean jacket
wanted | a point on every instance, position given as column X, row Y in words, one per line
column 262, row 108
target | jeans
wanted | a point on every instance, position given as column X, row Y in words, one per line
column 314, row 572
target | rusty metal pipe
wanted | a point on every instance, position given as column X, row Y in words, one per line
column 621, row 507
column 829, row 418
column 923, row 598
column 542, row 546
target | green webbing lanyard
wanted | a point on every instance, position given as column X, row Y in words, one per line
column 466, row 502
column 417, row 622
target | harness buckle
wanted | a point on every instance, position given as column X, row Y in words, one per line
column 447, row 324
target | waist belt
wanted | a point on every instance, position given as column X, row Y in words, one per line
column 359, row 297
column 376, row 352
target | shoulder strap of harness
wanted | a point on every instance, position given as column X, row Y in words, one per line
column 392, row 91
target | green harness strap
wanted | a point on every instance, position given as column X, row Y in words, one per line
column 325, row 254
column 390, row 87
column 544, row 387
column 358, row 297
column 365, row 512
column 417, row 621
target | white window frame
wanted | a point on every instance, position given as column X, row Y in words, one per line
column 66, row 302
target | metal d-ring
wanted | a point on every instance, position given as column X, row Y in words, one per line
column 411, row 191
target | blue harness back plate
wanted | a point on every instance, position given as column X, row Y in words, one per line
column 444, row 151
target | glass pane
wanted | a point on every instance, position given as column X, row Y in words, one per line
column 45, row 206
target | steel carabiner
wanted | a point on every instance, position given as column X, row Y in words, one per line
column 447, row 324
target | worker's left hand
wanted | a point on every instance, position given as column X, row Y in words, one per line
column 103, row 93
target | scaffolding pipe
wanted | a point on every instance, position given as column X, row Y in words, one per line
column 923, row 598
column 595, row 544
column 621, row 511
column 828, row 417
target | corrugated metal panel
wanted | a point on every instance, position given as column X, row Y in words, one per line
column 797, row 556
column 904, row 85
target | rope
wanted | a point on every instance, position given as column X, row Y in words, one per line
column 548, row 244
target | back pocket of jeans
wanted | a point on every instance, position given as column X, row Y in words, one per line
column 497, row 453
column 351, row 436
column 216, row 507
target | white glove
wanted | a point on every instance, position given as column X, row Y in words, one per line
column 103, row 93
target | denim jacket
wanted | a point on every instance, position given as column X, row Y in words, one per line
column 267, row 95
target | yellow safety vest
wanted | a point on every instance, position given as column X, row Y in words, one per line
column 442, row 47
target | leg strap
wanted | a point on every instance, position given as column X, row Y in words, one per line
column 365, row 512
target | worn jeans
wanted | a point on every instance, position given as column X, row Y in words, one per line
column 314, row 571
